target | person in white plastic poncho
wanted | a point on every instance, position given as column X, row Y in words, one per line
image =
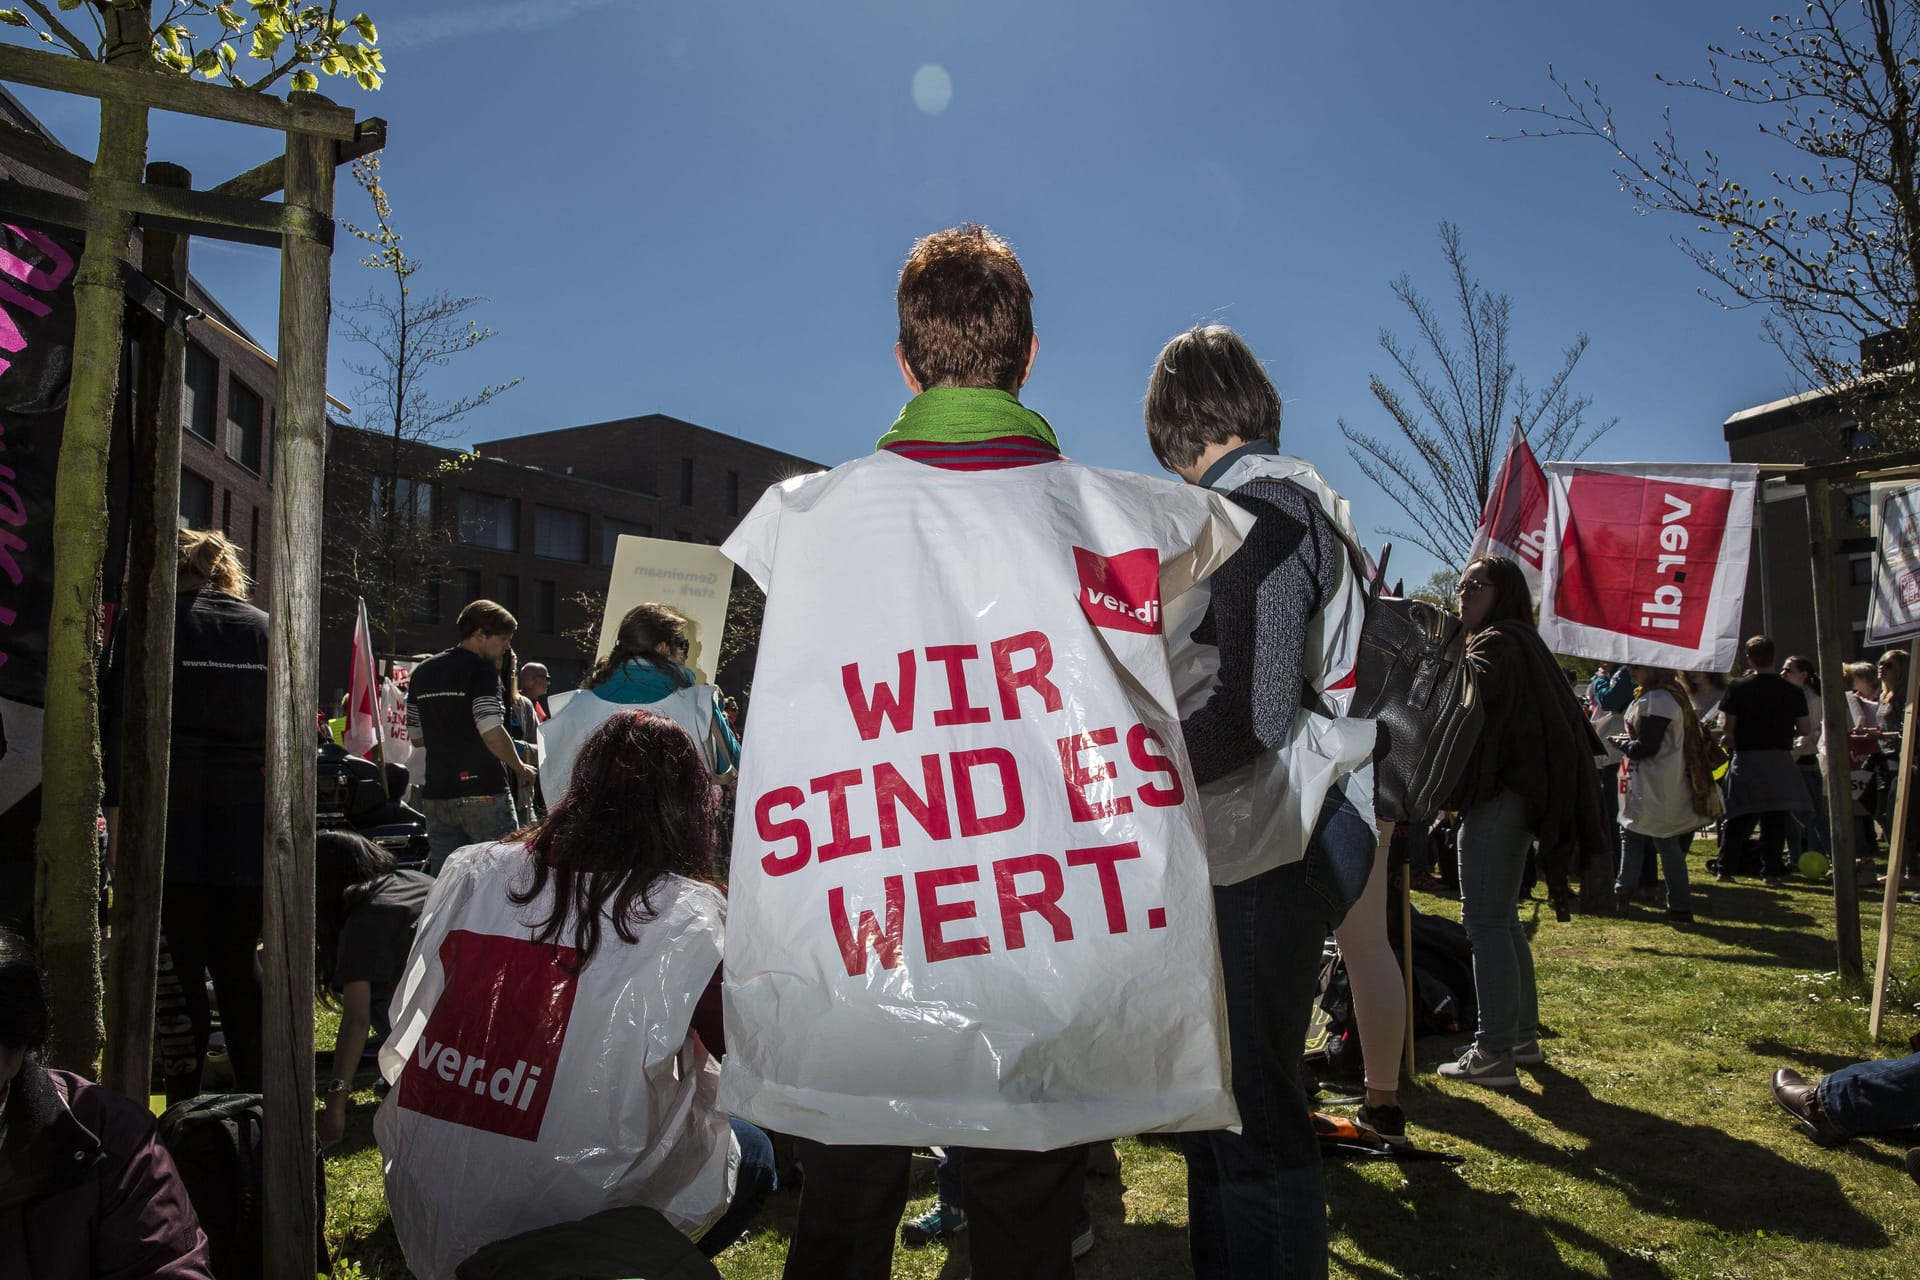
column 557, row 1030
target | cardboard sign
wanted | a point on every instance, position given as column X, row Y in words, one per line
column 688, row 577
column 1649, row 562
column 969, row 897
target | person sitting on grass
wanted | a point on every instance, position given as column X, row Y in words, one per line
column 558, row 1031
column 364, row 914
column 1865, row 1098
column 86, row 1190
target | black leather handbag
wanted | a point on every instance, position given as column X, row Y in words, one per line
column 1415, row 681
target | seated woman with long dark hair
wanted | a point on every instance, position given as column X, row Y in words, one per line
column 556, row 1034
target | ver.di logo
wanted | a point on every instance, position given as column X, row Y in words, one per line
column 1120, row 592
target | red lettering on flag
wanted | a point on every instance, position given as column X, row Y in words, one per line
column 1639, row 555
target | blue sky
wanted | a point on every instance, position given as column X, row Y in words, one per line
column 698, row 207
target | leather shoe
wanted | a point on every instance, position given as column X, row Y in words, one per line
column 1802, row 1101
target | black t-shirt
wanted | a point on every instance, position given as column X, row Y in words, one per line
column 376, row 938
column 451, row 693
column 1764, row 707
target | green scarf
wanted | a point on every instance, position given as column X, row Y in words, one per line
column 962, row 415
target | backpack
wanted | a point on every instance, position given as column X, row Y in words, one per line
column 1412, row 678
column 215, row 1144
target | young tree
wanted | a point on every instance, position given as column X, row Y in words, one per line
column 1825, row 243
column 282, row 38
column 1452, row 425
column 392, row 549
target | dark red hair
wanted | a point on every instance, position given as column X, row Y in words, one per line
column 635, row 810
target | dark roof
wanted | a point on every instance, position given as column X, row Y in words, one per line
column 647, row 419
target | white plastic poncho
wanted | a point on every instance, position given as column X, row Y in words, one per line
column 970, row 902
column 578, row 712
column 1262, row 814
column 526, row 1096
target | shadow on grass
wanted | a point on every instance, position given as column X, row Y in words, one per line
column 1665, row 1168
column 1791, row 1055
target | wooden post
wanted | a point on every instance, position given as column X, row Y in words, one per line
column 140, row 836
column 67, row 846
column 1830, row 629
column 1896, row 847
column 292, row 678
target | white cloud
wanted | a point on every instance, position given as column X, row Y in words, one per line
column 482, row 19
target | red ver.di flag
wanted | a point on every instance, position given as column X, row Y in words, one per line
column 969, row 900
column 364, row 719
column 1514, row 522
column 1649, row 563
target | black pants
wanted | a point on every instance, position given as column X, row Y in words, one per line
column 1021, row 1207
column 215, row 930
column 1735, row 838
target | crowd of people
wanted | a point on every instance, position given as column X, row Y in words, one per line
column 576, row 924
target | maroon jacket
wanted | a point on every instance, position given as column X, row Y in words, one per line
column 86, row 1190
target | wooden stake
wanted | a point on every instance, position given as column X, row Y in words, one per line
column 139, row 848
column 292, row 676
column 1830, row 630
column 1896, row 846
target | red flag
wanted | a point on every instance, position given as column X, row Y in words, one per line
column 364, row 730
column 1514, row 523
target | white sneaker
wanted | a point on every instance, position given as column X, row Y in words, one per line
column 1494, row 1070
column 1525, row 1054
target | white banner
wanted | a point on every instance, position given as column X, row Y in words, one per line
column 1894, row 614
column 1648, row 561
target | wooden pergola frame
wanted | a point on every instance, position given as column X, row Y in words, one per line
column 319, row 136
column 1833, row 650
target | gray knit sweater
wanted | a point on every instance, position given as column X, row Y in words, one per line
column 1263, row 599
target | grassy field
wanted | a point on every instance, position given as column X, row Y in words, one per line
column 1648, row 1146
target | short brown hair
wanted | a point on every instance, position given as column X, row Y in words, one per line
column 1207, row 387
column 488, row 618
column 1760, row 651
column 966, row 311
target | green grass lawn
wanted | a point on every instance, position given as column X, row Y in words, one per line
column 1648, row 1146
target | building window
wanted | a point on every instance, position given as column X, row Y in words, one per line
column 1860, row 506
column 1862, row 567
column 610, row 531
column 196, row 500
column 199, row 393
column 560, row 535
column 468, row 580
column 733, row 493
column 543, row 606
column 686, row 482
column 226, row 513
column 490, row 522
column 506, row 591
column 246, row 425
column 417, row 501
column 426, row 604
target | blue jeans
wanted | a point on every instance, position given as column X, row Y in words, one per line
column 1493, row 856
column 1634, row 848
column 752, row 1184
column 1874, row 1097
column 458, row 821
column 1256, row 1205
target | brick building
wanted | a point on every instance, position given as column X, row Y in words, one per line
column 1806, row 428
column 532, row 521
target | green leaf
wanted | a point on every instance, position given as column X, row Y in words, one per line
column 364, row 25
column 207, row 63
column 368, row 80
column 69, row 4
column 265, row 43
column 229, row 19
column 304, row 81
column 333, row 64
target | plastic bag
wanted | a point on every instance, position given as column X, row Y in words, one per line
column 969, row 899
column 577, row 713
column 525, row 1095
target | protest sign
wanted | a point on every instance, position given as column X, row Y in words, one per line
column 969, row 897
column 1514, row 522
column 1648, row 562
column 690, row 578
column 1894, row 613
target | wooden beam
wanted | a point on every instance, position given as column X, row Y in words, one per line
column 47, row 208
column 140, row 831
column 224, row 217
column 293, row 661
column 1896, row 848
column 55, row 161
column 1830, row 631
column 307, row 114
column 1859, row 468
column 269, row 179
